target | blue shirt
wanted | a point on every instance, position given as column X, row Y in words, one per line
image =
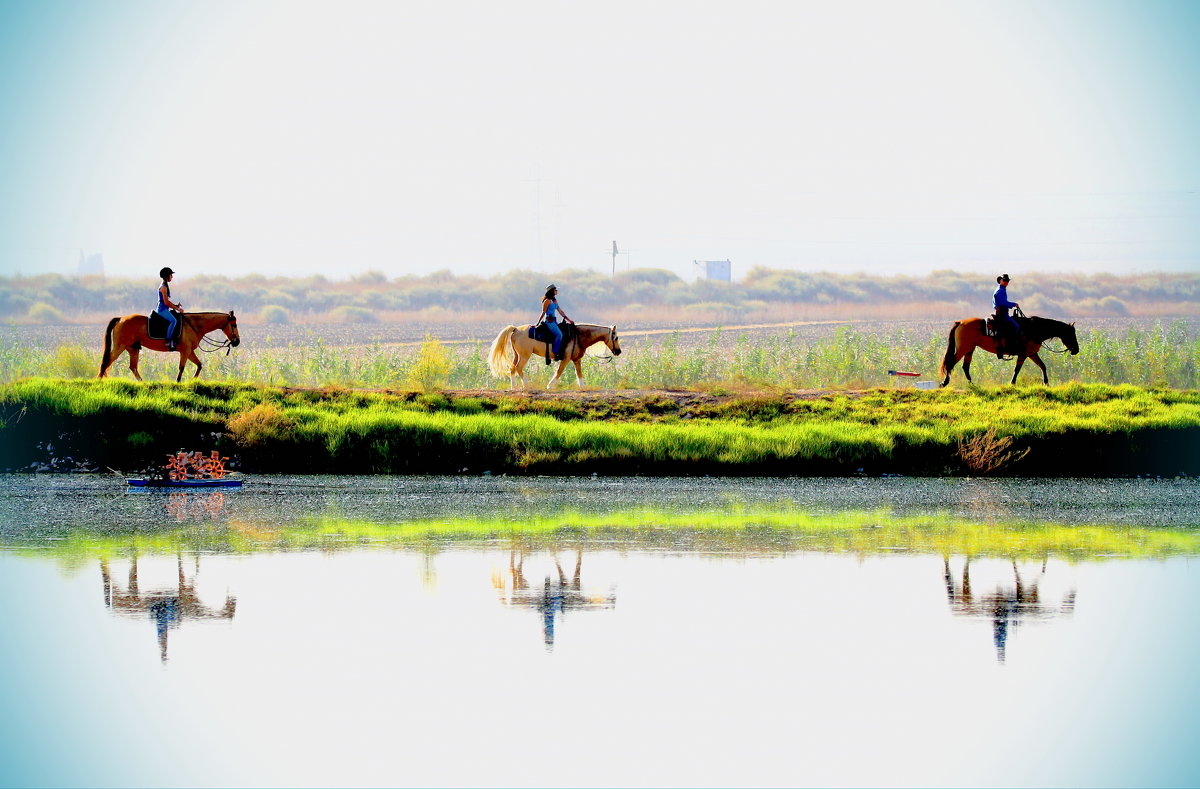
column 1000, row 300
column 551, row 308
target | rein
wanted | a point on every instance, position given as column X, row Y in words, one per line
column 1017, row 312
column 207, row 344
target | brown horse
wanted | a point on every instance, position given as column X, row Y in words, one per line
column 512, row 349
column 129, row 334
column 966, row 336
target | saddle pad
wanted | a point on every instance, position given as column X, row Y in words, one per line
column 156, row 326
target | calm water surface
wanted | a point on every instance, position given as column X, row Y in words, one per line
column 600, row 632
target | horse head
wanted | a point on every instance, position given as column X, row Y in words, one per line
column 612, row 342
column 231, row 330
column 1069, row 339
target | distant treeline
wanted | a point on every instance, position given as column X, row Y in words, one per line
column 372, row 296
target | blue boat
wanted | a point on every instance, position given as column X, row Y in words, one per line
column 185, row 483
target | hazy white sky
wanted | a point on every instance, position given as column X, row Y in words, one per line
column 333, row 138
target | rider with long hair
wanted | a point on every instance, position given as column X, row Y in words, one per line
column 1005, row 322
column 550, row 310
column 165, row 305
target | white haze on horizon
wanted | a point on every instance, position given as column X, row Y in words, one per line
column 409, row 137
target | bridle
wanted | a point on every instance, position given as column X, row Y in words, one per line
column 1019, row 313
column 209, row 345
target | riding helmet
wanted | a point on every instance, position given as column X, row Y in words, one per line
column 166, row 272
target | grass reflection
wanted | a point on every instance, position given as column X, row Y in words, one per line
column 746, row 530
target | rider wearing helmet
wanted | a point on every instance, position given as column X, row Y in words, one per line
column 1009, row 328
column 549, row 310
column 165, row 305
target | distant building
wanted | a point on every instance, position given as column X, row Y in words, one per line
column 91, row 264
column 716, row 269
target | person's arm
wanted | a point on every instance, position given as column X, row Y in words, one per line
column 566, row 317
column 167, row 300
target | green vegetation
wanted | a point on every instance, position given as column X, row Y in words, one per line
column 1068, row 430
column 764, row 529
column 1158, row 356
column 630, row 294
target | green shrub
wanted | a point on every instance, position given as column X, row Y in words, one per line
column 351, row 314
column 41, row 312
column 71, row 361
column 258, row 425
column 273, row 313
column 432, row 368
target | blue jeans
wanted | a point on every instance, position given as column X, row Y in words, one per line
column 171, row 320
column 1007, row 321
column 557, row 344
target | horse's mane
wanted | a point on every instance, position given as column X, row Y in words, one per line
column 1048, row 326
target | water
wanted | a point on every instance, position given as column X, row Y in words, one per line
column 499, row 631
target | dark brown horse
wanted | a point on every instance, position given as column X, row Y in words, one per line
column 966, row 336
column 129, row 334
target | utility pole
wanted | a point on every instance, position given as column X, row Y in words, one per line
column 614, row 259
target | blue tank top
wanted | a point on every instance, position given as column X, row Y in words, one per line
column 551, row 309
column 162, row 305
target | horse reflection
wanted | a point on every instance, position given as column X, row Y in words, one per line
column 168, row 608
column 1008, row 606
column 554, row 598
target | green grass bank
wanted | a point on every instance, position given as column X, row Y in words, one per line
column 1069, row 430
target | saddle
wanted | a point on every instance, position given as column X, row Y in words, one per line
column 1009, row 343
column 156, row 326
column 540, row 332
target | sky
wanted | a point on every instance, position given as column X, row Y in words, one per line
column 299, row 138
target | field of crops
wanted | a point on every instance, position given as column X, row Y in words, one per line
column 822, row 355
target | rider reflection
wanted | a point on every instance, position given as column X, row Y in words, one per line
column 168, row 608
column 1008, row 606
column 556, row 597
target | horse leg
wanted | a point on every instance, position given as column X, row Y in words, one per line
column 958, row 356
column 1020, row 361
column 561, row 367
column 117, row 350
column 1041, row 365
column 195, row 360
column 966, row 360
column 183, row 360
column 517, row 373
column 134, row 355
column 578, row 372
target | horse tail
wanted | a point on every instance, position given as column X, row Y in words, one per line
column 498, row 356
column 107, row 360
column 948, row 359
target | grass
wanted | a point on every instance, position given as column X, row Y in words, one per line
column 1068, row 430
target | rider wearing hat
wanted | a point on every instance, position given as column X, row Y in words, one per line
column 1010, row 329
column 549, row 310
column 165, row 305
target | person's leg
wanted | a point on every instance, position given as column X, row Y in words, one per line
column 557, row 345
column 171, row 320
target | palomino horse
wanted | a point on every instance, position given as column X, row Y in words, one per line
column 513, row 348
column 966, row 336
column 129, row 334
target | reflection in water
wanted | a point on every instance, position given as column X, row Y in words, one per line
column 1008, row 605
column 185, row 506
column 167, row 607
column 556, row 595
